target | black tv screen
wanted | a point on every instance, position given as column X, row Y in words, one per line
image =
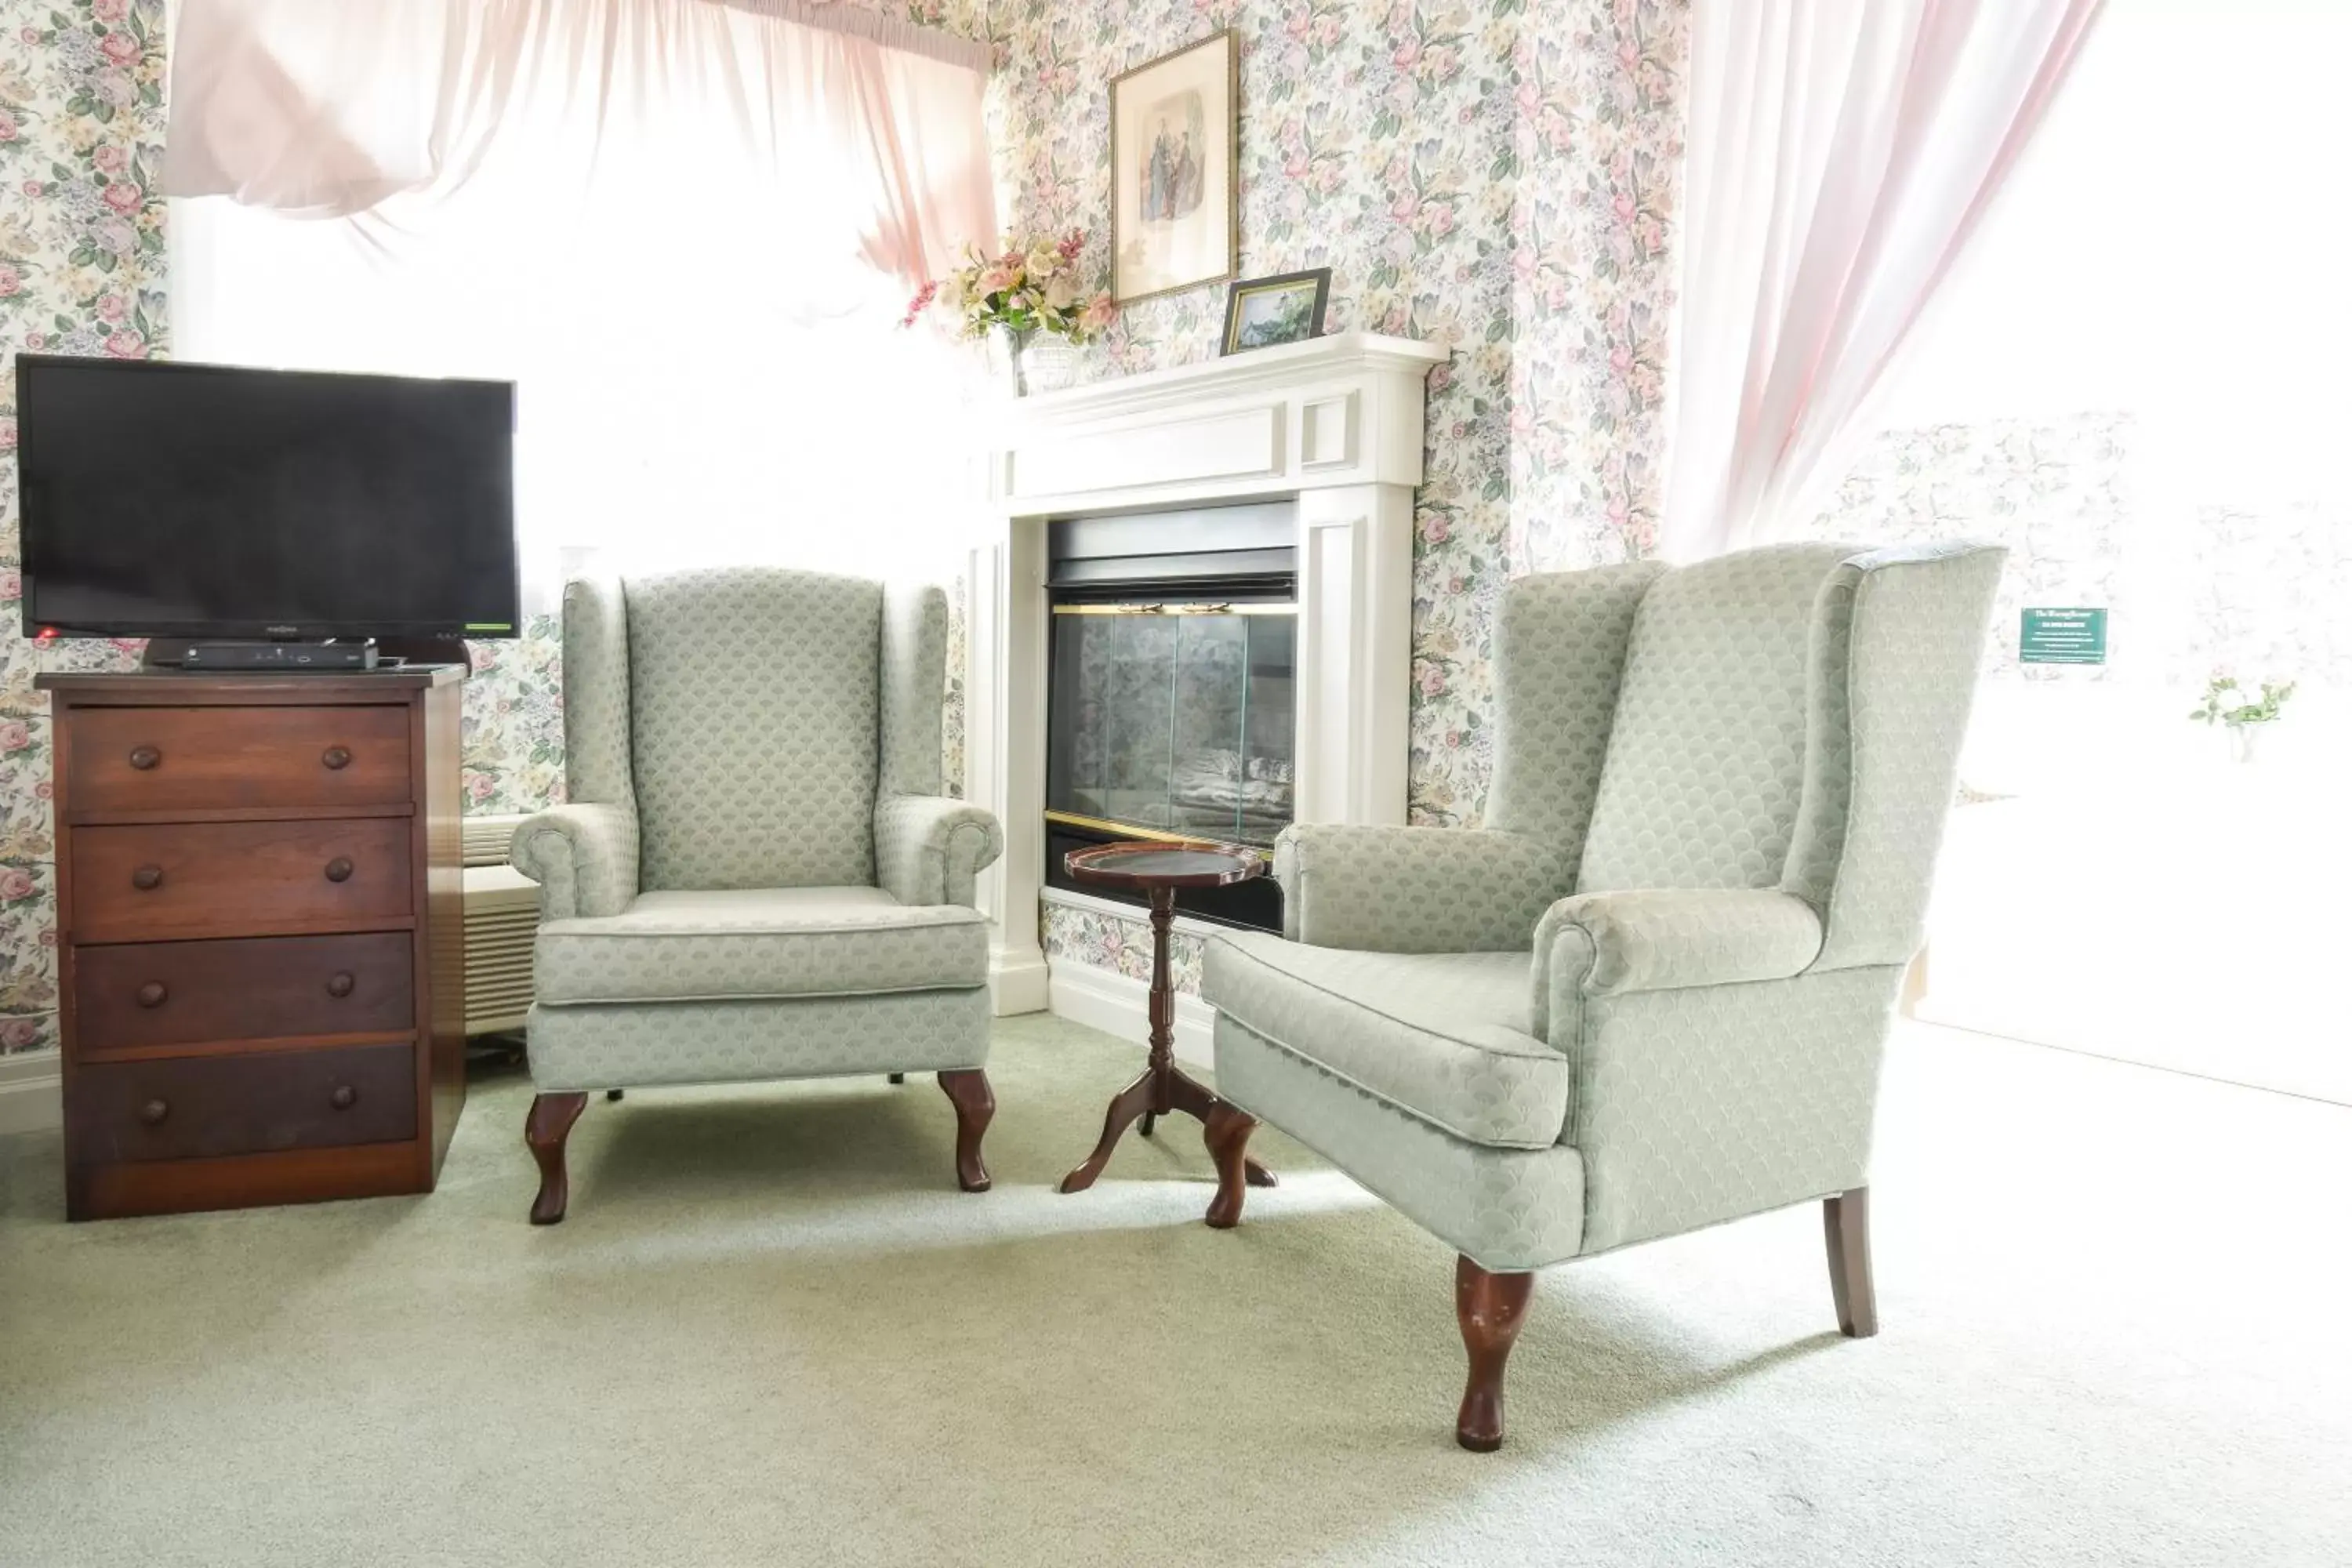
column 166, row 499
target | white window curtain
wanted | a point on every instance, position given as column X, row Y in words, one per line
column 645, row 212
column 1841, row 153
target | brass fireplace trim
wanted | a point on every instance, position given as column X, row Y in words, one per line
column 1154, row 835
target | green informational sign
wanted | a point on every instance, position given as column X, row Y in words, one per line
column 2063, row 637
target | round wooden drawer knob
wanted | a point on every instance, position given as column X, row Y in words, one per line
column 144, row 757
column 147, row 879
column 339, row 986
column 336, row 757
column 153, row 1113
column 344, row 1097
column 153, row 993
column 339, row 869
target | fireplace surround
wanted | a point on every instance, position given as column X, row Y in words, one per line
column 1171, row 702
column 1300, row 463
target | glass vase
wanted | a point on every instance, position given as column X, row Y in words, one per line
column 1048, row 362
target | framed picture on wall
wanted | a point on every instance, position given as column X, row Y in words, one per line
column 1263, row 311
column 1175, row 171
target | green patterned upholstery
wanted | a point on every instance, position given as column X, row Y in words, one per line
column 1706, row 754
column 929, row 850
column 1893, row 679
column 577, row 1049
column 584, row 858
column 763, row 942
column 755, row 712
column 757, row 876
column 1604, row 945
column 1504, row 1208
column 1673, row 953
column 1708, row 1102
column 1442, row 1037
column 1415, row 890
column 1560, row 641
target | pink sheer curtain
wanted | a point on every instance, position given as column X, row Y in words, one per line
column 350, row 108
column 1841, row 153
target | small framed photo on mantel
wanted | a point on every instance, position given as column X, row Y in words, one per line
column 1175, row 171
column 1263, row 311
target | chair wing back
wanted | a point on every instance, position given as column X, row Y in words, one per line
column 1896, row 642
column 1707, row 754
column 755, row 715
column 914, row 689
column 1560, row 639
column 596, row 693
column 1788, row 717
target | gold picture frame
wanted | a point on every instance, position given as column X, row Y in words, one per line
column 1175, row 171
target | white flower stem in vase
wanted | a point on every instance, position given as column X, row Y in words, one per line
column 1005, row 346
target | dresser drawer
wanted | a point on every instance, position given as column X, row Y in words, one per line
column 233, row 879
column 181, row 759
column 184, row 1108
column 133, row 995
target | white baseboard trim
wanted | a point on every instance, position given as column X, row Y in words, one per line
column 1017, row 982
column 32, row 1095
column 1106, row 1000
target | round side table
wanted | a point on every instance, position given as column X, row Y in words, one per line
column 1158, row 871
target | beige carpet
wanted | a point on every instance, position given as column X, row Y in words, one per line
column 2116, row 1302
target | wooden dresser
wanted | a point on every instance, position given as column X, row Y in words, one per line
column 261, row 936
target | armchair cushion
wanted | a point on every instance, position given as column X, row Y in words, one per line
column 574, row 1048
column 1440, row 1037
column 1416, row 890
column 1604, row 944
column 584, row 858
column 760, row 944
column 1507, row 1209
column 929, row 848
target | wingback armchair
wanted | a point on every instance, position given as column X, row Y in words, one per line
column 1652, row 993
column 756, row 876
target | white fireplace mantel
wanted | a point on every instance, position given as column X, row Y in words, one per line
column 1335, row 423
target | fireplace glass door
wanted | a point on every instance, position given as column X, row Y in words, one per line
column 1172, row 720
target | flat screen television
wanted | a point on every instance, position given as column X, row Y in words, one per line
column 162, row 499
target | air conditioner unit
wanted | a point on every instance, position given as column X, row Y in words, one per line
column 501, row 919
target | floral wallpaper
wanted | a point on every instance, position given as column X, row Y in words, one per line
column 81, row 272
column 1103, row 941
column 2056, row 491
column 2269, row 590
column 513, row 737
column 1500, row 177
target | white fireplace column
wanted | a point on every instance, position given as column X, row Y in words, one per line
column 1335, row 424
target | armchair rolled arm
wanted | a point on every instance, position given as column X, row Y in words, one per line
column 583, row 857
column 1415, row 890
column 1602, row 944
column 929, row 848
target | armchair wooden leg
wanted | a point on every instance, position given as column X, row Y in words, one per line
column 1490, row 1308
column 975, row 1102
column 898, row 1078
column 1226, row 1132
column 549, row 1124
column 1845, row 1221
column 612, row 1097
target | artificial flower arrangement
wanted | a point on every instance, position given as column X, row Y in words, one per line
column 1033, row 286
column 2240, row 711
column 2227, row 702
